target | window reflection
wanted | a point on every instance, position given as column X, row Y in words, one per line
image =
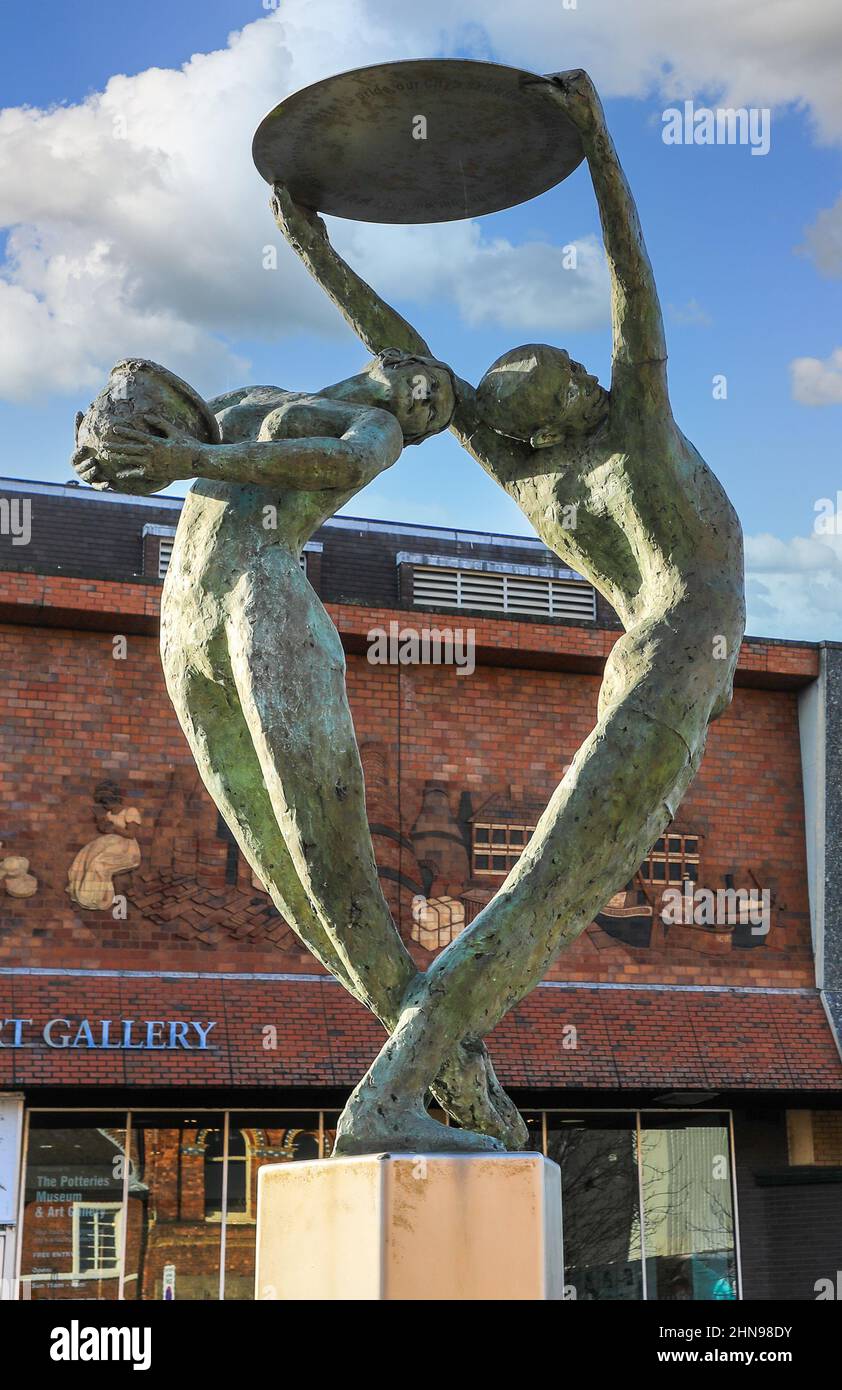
column 73, row 1227
column 329, row 1122
column 176, row 1255
column 239, row 1186
column 600, row 1204
column 188, row 1200
column 534, row 1121
column 687, row 1208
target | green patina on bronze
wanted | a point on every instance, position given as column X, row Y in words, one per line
column 657, row 536
column 255, row 668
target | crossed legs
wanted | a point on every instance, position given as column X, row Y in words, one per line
column 599, row 822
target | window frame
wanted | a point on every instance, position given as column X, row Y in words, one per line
column 226, row 1112
column 119, row 1221
column 668, row 856
column 232, row 1218
column 489, row 851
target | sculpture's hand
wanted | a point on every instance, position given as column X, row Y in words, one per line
column 577, row 95
column 637, row 323
column 301, row 226
column 139, row 461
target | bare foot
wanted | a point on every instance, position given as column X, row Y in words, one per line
column 467, row 1088
column 395, row 1126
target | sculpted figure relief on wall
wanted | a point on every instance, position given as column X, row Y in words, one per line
column 16, row 880
column 90, row 879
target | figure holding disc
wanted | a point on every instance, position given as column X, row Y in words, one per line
column 656, row 535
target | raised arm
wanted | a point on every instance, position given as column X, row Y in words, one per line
column 339, row 446
column 638, row 328
column 372, row 319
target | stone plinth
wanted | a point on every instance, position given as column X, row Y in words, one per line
column 410, row 1226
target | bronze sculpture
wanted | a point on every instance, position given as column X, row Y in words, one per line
column 654, row 533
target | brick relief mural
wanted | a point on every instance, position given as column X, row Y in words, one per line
column 112, row 854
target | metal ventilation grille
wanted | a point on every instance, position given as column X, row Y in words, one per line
column 164, row 555
column 518, row 594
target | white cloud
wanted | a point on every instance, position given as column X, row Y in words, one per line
column 67, row 316
column 767, row 554
column 530, row 286
column 153, row 243
column 817, row 382
column 742, row 52
column 141, row 225
column 490, row 282
column 794, row 587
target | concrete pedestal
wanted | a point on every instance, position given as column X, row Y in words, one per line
column 410, row 1226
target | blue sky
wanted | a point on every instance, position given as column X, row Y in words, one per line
column 747, row 250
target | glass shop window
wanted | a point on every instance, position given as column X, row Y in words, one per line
column 688, row 1214
column 597, row 1154
column 73, row 1228
column 175, row 1197
column 680, row 1245
column 648, row 1211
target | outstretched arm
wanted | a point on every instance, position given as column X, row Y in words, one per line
column 639, row 343
column 344, row 447
column 372, row 319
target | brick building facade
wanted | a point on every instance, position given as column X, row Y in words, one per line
column 652, row 1045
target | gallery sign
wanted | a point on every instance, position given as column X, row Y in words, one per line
column 109, row 1034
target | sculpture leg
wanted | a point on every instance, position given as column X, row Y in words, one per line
column 219, row 738
column 303, row 734
column 597, row 828
column 288, row 669
column 208, row 706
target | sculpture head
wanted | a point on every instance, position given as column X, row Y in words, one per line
column 539, row 394
column 419, row 391
column 135, row 388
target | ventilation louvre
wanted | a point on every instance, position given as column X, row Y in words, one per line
column 530, row 595
column 165, row 546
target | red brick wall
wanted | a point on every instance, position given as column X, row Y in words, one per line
column 72, row 717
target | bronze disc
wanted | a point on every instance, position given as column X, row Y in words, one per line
column 427, row 140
